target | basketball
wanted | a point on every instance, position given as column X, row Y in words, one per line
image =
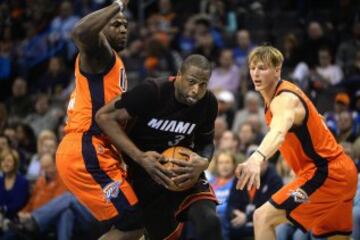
column 177, row 153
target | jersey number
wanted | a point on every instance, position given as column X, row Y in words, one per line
column 176, row 141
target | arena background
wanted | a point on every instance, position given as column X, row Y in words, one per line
column 320, row 41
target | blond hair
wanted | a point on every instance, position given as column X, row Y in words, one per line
column 266, row 54
column 15, row 156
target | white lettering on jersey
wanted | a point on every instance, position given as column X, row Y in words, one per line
column 172, row 126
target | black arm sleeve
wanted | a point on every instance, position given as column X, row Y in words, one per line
column 204, row 137
column 140, row 100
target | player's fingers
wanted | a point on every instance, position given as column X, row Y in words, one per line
column 181, row 163
column 251, row 181
column 181, row 170
column 156, row 179
column 244, row 177
column 164, row 160
column 186, row 183
column 257, row 181
column 184, row 153
column 165, row 180
column 181, row 178
column 238, row 170
column 165, row 171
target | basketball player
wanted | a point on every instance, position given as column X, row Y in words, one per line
column 320, row 197
column 176, row 111
column 87, row 164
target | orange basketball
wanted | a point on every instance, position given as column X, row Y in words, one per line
column 175, row 153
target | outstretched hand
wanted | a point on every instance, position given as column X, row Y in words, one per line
column 248, row 172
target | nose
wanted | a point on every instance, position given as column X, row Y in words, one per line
column 195, row 89
column 123, row 29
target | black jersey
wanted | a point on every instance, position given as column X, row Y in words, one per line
column 160, row 121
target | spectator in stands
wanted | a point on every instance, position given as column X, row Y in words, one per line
column 229, row 141
column 186, row 40
column 6, row 61
column 60, row 29
column 44, row 116
column 166, row 17
column 25, row 140
column 341, row 103
column 226, row 76
column 62, row 214
column 220, row 127
column 203, row 27
column 4, row 143
column 247, row 136
column 257, row 126
column 205, row 46
column 243, row 203
column 14, row 188
column 46, row 144
column 226, row 106
column 244, row 46
column 356, row 112
column 47, row 187
column 290, row 49
column 352, row 79
column 55, row 79
column 160, row 61
column 252, row 106
column 10, row 134
column 347, row 51
column 221, row 183
column 346, row 130
column 3, row 116
column 326, row 74
column 314, row 41
column 18, row 105
column 133, row 57
column 32, row 50
column 324, row 78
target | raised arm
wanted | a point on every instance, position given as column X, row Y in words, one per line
column 88, row 36
column 286, row 110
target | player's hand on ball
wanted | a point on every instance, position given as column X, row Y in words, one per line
column 152, row 163
column 248, row 173
column 189, row 171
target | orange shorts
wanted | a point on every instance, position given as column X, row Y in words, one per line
column 328, row 209
column 92, row 171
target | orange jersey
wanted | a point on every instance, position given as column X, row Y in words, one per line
column 92, row 91
column 310, row 144
column 325, row 174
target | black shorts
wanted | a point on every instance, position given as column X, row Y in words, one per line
column 165, row 211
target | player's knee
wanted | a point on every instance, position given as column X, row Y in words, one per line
column 261, row 216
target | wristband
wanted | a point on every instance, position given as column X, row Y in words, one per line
column 120, row 4
column 261, row 154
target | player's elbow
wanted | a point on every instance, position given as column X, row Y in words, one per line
column 79, row 33
column 101, row 118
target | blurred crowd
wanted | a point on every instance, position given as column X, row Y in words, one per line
column 320, row 41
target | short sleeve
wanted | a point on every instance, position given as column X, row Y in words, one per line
column 140, row 100
column 205, row 133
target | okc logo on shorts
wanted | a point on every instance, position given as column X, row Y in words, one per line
column 111, row 190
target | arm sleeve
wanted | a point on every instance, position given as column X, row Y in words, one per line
column 140, row 100
column 204, row 137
